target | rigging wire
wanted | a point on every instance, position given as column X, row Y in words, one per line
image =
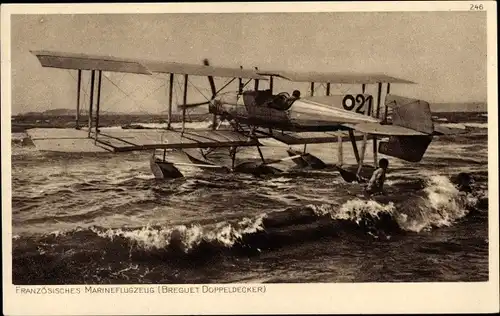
column 129, row 95
column 208, row 99
column 189, row 112
column 83, row 110
column 153, row 91
column 176, row 90
column 117, row 83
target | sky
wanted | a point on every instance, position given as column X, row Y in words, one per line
column 443, row 52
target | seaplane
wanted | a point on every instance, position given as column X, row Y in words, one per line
column 403, row 125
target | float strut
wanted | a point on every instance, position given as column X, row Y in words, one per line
column 354, row 145
column 233, row 156
column 363, row 150
column 340, row 153
column 261, row 155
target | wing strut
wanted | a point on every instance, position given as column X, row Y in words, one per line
column 184, row 101
column 170, row 91
column 98, row 104
column 78, row 91
column 256, row 86
column 240, row 83
column 379, row 92
column 92, row 84
column 386, row 104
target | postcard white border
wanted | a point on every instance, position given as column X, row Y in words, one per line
column 279, row 298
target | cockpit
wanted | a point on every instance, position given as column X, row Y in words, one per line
column 281, row 101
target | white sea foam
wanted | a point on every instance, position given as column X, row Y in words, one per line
column 465, row 125
column 185, row 237
column 442, row 205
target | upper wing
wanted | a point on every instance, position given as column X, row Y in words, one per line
column 326, row 77
column 202, row 70
column 133, row 65
column 90, row 62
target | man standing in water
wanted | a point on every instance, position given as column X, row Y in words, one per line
column 464, row 182
column 376, row 183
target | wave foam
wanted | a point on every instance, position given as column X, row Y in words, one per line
column 441, row 204
column 187, row 238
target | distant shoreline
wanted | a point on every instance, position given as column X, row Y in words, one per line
column 20, row 123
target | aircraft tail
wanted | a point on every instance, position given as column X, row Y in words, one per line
column 414, row 114
column 411, row 113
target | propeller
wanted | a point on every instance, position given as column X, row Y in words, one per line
column 211, row 81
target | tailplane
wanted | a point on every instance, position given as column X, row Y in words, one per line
column 414, row 114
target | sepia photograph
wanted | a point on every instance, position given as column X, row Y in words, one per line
column 251, row 148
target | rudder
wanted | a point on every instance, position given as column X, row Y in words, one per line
column 414, row 114
column 410, row 113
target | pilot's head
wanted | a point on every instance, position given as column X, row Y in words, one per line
column 296, row 94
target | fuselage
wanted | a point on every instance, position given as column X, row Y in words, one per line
column 280, row 111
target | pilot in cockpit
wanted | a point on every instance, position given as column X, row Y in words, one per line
column 283, row 101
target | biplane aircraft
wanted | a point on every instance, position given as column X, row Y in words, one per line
column 252, row 115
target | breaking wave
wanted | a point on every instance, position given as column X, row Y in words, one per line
column 185, row 238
